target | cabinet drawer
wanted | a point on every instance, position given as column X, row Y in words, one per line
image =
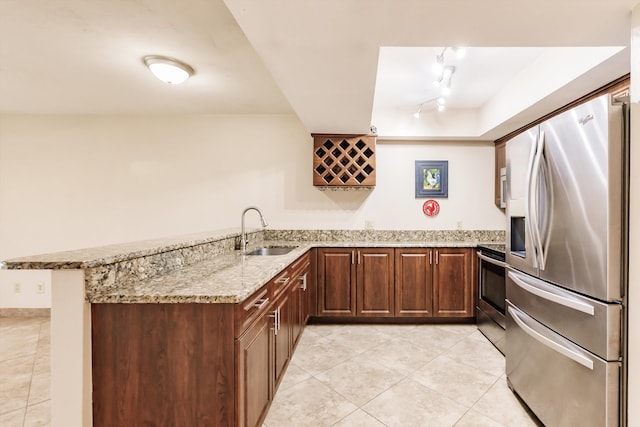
column 250, row 309
column 281, row 282
column 300, row 263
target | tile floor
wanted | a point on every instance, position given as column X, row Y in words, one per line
column 396, row 375
column 24, row 372
column 340, row 375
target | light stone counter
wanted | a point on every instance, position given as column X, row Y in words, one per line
column 205, row 268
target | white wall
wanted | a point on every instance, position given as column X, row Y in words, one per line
column 68, row 182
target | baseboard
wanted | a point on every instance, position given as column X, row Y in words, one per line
column 25, row 312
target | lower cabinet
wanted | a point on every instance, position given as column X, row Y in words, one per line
column 255, row 390
column 381, row 282
column 282, row 335
column 434, row 282
column 220, row 364
column 453, row 290
column 414, row 283
column 355, row 282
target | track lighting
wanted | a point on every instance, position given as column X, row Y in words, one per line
column 443, row 73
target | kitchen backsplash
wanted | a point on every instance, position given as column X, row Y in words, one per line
column 485, row 236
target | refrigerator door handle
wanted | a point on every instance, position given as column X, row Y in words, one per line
column 543, row 235
column 567, row 352
column 527, row 199
column 534, row 196
column 549, row 296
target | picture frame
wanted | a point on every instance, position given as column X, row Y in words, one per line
column 432, row 179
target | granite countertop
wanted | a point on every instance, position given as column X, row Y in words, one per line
column 204, row 268
column 232, row 277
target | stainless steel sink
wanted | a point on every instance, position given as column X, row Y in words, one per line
column 279, row 250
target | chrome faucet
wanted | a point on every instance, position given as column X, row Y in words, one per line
column 243, row 237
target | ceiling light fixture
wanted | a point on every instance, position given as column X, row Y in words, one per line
column 444, row 82
column 439, row 101
column 169, row 70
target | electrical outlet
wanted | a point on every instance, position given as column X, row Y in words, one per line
column 17, row 288
column 459, row 225
column 40, row 288
column 368, row 225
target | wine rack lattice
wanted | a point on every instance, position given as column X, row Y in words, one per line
column 344, row 160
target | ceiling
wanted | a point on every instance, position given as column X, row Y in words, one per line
column 339, row 65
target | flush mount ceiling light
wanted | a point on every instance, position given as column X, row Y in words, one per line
column 169, row 70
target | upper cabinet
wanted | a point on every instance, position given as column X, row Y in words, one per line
column 344, row 161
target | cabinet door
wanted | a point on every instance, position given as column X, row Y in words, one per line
column 336, row 282
column 253, row 350
column 298, row 308
column 374, row 278
column 413, row 284
column 453, row 283
column 281, row 336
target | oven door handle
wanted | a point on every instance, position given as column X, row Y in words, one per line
column 576, row 357
column 491, row 260
column 558, row 299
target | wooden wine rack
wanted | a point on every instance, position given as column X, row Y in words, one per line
column 344, row 160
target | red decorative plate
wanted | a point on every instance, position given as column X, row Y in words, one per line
column 431, row 208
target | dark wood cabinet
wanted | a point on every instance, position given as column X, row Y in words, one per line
column 255, row 391
column 374, row 282
column 336, row 282
column 355, row 282
column 165, row 365
column 195, row 364
column 434, row 282
column 282, row 332
column 453, row 294
column 300, row 295
column 414, row 283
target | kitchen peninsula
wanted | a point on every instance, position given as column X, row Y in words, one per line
column 166, row 326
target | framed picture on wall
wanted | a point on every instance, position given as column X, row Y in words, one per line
column 432, row 179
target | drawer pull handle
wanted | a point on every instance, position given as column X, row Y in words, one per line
column 282, row 280
column 303, row 286
column 261, row 303
column 559, row 348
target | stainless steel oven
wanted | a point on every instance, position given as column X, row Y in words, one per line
column 490, row 311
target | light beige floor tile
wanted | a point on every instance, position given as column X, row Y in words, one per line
column 13, row 418
column 481, row 355
column 360, row 380
column 14, row 387
column 16, row 344
column 38, row 415
column 476, row 419
column 462, row 328
column 42, row 364
column 294, row 375
column 320, row 356
column 40, row 389
column 358, row 418
column 309, row 403
column 410, row 404
column 501, row 405
column 461, row 383
column 430, row 336
column 477, row 335
column 401, row 355
column 358, row 338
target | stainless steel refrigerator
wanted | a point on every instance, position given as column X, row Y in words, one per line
column 567, row 204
